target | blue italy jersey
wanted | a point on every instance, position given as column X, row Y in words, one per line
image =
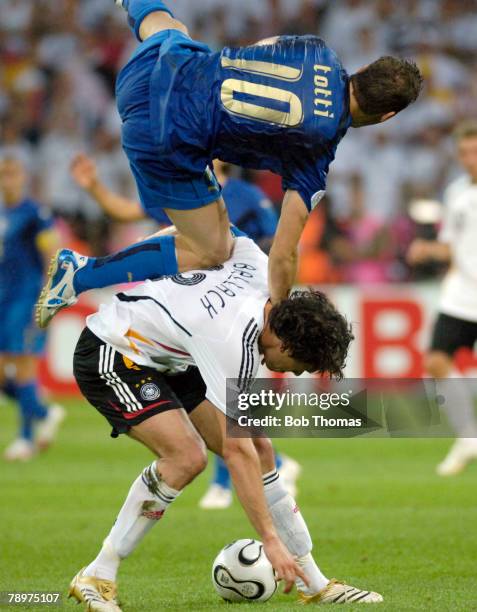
column 250, row 210
column 21, row 265
column 283, row 107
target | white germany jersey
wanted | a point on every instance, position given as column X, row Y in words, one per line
column 459, row 230
column 208, row 318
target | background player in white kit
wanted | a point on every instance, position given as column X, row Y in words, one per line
column 456, row 325
column 135, row 363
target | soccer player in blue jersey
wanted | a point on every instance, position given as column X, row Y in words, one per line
column 282, row 105
column 27, row 238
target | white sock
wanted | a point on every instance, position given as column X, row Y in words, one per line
column 293, row 532
column 459, row 405
column 147, row 500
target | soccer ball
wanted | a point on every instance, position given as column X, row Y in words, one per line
column 242, row 572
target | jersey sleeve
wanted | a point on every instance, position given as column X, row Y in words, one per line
column 233, row 362
column 309, row 180
column 447, row 232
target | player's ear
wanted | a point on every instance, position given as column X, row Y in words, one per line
column 387, row 116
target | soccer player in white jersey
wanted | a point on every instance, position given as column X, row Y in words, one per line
column 456, row 325
column 155, row 362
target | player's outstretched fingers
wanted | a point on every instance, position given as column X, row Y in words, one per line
column 301, row 574
column 288, row 586
column 290, row 573
column 286, row 577
column 83, row 170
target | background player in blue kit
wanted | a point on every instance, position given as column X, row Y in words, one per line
column 282, row 105
column 27, row 237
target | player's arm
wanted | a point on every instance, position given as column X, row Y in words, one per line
column 218, row 362
column 243, row 463
column 85, row 174
column 283, row 259
column 422, row 251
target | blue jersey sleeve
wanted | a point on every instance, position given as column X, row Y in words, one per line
column 309, row 179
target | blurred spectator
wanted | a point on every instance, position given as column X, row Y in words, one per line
column 321, row 247
column 367, row 254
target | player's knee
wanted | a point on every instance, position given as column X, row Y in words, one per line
column 438, row 364
column 199, row 460
column 192, row 463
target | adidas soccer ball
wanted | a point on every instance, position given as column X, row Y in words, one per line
column 242, row 572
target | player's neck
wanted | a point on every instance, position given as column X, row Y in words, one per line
column 358, row 117
column 265, row 336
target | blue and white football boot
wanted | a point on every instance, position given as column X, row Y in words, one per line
column 59, row 291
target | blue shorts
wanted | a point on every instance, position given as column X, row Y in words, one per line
column 164, row 121
column 19, row 334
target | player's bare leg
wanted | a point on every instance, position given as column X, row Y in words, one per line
column 166, row 435
column 203, row 236
column 459, row 409
column 202, row 239
column 157, row 22
column 287, row 518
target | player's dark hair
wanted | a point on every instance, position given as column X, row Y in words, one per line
column 313, row 331
column 387, row 85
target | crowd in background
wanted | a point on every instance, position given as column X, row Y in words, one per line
column 58, row 62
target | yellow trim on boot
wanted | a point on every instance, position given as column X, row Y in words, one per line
column 317, row 597
column 106, row 588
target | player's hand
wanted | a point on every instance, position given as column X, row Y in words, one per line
column 84, row 171
column 285, row 566
column 418, row 252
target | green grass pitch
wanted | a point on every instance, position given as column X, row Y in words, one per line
column 378, row 515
